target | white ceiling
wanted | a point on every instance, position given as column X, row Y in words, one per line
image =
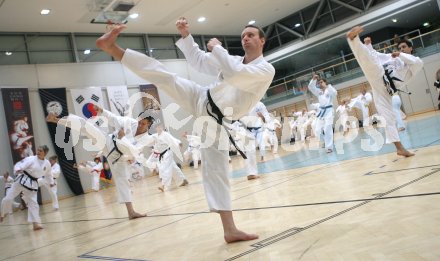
column 155, row 16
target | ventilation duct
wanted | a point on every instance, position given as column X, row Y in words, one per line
column 114, row 11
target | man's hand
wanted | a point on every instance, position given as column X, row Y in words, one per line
column 212, row 43
column 121, row 133
column 395, row 54
column 97, row 108
column 182, row 26
column 367, row 40
column 315, row 77
column 52, row 118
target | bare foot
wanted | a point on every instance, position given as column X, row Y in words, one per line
column 355, row 31
column 1, row 219
column 106, row 41
column 250, row 177
column 37, row 227
column 136, row 215
column 239, row 236
column 405, row 153
column 161, row 188
column 184, row 183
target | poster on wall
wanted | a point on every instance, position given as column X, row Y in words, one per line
column 54, row 101
column 84, row 101
column 118, row 100
column 152, row 104
column 18, row 121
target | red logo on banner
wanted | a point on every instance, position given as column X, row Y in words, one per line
column 17, row 105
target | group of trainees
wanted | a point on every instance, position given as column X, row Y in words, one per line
column 244, row 80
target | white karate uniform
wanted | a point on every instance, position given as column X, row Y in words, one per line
column 270, row 131
column 36, row 168
column 397, row 102
column 8, row 184
column 255, row 125
column 193, row 150
column 325, row 114
column 44, row 182
column 240, row 86
column 362, row 102
column 371, row 63
column 343, row 116
column 95, row 171
column 164, row 144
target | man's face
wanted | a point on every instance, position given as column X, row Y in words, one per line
column 40, row 153
column 144, row 124
column 322, row 84
column 404, row 48
column 250, row 39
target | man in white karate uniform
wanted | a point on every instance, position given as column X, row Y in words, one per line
column 397, row 103
column 45, row 181
column 128, row 131
column 193, row 150
column 342, row 110
column 325, row 94
column 400, row 65
column 271, row 134
column 28, row 171
column 242, row 82
column 362, row 101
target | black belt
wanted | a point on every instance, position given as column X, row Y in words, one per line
column 30, row 177
column 253, row 128
column 219, row 119
column 115, row 148
column 389, row 81
column 163, row 153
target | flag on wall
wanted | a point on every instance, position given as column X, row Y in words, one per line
column 83, row 101
column 54, row 101
column 118, row 100
column 19, row 123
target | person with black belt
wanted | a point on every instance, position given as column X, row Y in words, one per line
column 242, row 83
column 325, row 94
column 27, row 172
column 387, row 74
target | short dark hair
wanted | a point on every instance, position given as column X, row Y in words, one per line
column 324, row 80
column 44, row 148
column 260, row 31
column 145, row 116
column 53, row 157
column 408, row 42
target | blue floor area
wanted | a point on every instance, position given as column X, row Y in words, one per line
column 419, row 133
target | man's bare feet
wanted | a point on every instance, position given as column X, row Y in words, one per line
column 109, row 38
column 184, row 183
column 136, row 215
column 161, row 188
column 37, row 227
column 1, row 219
column 250, row 177
column 405, row 153
column 239, row 236
column 355, row 31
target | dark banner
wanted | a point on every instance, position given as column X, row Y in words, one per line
column 106, row 173
column 152, row 102
column 18, row 120
column 54, row 101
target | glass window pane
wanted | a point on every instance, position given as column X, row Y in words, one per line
column 94, row 56
column 132, row 42
column 51, row 57
column 164, row 54
column 84, row 42
column 12, row 43
column 161, row 42
column 48, row 42
column 15, row 58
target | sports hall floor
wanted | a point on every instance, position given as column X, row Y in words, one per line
column 307, row 205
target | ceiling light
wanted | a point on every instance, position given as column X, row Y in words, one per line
column 201, row 19
column 8, row 53
column 394, row 20
column 134, row 15
column 297, row 25
column 426, row 24
column 45, row 12
column 251, row 22
column 87, row 51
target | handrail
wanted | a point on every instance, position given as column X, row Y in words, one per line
column 302, row 73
